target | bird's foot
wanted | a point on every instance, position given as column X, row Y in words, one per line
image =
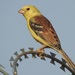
column 40, row 52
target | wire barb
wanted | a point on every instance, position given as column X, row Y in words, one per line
column 52, row 54
column 43, row 58
column 63, row 61
column 20, row 59
column 22, row 50
column 52, row 60
column 16, row 53
column 31, row 49
column 33, row 55
column 63, row 68
column 25, row 56
column 11, row 59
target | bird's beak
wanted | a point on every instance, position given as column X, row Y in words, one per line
column 21, row 11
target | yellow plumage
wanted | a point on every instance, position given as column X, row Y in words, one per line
column 43, row 31
column 28, row 15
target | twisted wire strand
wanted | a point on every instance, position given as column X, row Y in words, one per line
column 34, row 53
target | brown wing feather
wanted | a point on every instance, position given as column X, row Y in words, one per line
column 43, row 28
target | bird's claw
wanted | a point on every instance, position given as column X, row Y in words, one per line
column 40, row 52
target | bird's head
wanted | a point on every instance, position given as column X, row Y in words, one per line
column 29, row 11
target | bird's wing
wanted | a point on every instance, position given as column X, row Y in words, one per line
column 44, row 29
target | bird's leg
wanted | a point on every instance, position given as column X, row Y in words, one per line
column 40, row 51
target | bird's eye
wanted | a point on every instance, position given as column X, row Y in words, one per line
column 28, row 8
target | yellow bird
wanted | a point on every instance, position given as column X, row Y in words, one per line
column 42, row 31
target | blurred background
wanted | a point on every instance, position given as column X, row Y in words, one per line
column 14, row 34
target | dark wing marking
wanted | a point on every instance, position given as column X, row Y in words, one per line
column 36, row 27
column 43, row 28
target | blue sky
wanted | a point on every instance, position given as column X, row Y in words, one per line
column 14, row 34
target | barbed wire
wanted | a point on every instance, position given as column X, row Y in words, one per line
column 14, row 61
column 14, row 64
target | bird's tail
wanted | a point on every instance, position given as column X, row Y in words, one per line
column 68, row 60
